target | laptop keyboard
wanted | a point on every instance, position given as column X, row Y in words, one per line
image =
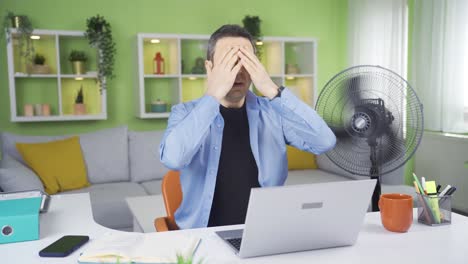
column 235, row 242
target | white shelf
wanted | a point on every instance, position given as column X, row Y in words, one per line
column 155, row 115
column 59, row 118
column 85, row 76
column 278, row 52
column 24, row 75
column 64, row 91
column 190, row 76
column 276, row 76
column 299, row 75
column 161, row 76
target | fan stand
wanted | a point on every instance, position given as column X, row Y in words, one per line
column 375, row 174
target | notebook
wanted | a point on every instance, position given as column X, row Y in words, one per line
column 122, row 247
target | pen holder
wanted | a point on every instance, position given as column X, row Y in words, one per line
column 434, row 210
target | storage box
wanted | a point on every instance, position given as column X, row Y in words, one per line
column 19, row 218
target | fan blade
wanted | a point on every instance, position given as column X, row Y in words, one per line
column 353, row 90
column 391, row 146
column 339, row 132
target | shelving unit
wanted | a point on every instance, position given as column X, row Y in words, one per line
column 183, row 81
column 59, row 87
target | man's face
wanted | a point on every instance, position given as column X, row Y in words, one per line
column 242, row 83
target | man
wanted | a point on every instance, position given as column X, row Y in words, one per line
column 231, row 140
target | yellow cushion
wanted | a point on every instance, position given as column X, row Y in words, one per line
column 300, row 160
column 59, row 164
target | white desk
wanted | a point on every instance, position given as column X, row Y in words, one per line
column 68, row 214
column 144, row 210
column 71, row 215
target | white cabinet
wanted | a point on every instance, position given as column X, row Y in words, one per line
column 290, row 61
column 54, row 86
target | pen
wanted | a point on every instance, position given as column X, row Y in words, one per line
column 445, row 190
column 416, row 186
column 451, row 191
column 423, row 184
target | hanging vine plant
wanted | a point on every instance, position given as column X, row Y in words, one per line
column 99, row 35
column 24, row 29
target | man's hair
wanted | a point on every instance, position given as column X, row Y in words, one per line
column 227, row 31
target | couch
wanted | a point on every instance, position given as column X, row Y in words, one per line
column 119, row 163
column 122, row 163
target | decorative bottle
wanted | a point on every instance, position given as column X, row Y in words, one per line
column 158, row 64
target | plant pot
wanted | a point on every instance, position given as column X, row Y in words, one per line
column 38, row 69
column 78, row 67
column 158, row 106
column 79, row 109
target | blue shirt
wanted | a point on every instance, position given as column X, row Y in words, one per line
column 192, row 145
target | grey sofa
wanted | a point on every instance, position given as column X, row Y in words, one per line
column 122, row 163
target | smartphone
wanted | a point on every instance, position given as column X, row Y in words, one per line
column 64, row 246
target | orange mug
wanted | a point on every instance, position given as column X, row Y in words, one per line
column 396, row 211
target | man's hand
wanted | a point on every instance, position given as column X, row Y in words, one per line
column 258, row 74
column 222, row 73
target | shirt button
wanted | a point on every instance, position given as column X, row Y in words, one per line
column 215, row 147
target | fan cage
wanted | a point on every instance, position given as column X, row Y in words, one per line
column 337, row 104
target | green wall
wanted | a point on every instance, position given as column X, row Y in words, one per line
column 324, row 20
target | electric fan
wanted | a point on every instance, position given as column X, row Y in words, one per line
column 377, row 119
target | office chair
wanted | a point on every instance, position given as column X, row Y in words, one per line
column 172, row 195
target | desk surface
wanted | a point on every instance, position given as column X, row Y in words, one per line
column 71, row 215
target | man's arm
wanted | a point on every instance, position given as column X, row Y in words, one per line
column 185, row 130
column 302, row 127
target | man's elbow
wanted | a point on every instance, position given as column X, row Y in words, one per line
column 329, row 143
column 326, row 143
column 172, row 162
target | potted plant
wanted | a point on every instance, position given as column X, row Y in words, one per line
column 78, row 60
column 38, row 65
column 79, row 106
column 24, row 30
column 99, row 35
column 252, row 25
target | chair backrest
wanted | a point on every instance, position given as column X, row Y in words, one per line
column 172, row 195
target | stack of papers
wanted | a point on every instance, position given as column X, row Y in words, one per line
column 121, row 247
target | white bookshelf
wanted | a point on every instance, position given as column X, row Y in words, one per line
column 179, row 84
column 59, row 87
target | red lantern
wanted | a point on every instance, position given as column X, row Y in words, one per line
column 158, row 64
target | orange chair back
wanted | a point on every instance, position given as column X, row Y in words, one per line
column 172, row 195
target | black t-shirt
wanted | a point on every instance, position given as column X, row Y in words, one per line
column 237, row 170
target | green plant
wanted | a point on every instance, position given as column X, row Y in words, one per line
column 77, row 55
column 39, row 59
column 79, row 97
column 188, row 260
column 24, row 30
column 252, row 25
column 99, row 35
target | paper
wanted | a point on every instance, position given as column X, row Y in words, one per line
column 122, row 247
column 431, row 187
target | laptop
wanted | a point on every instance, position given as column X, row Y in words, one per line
column 301, row 217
